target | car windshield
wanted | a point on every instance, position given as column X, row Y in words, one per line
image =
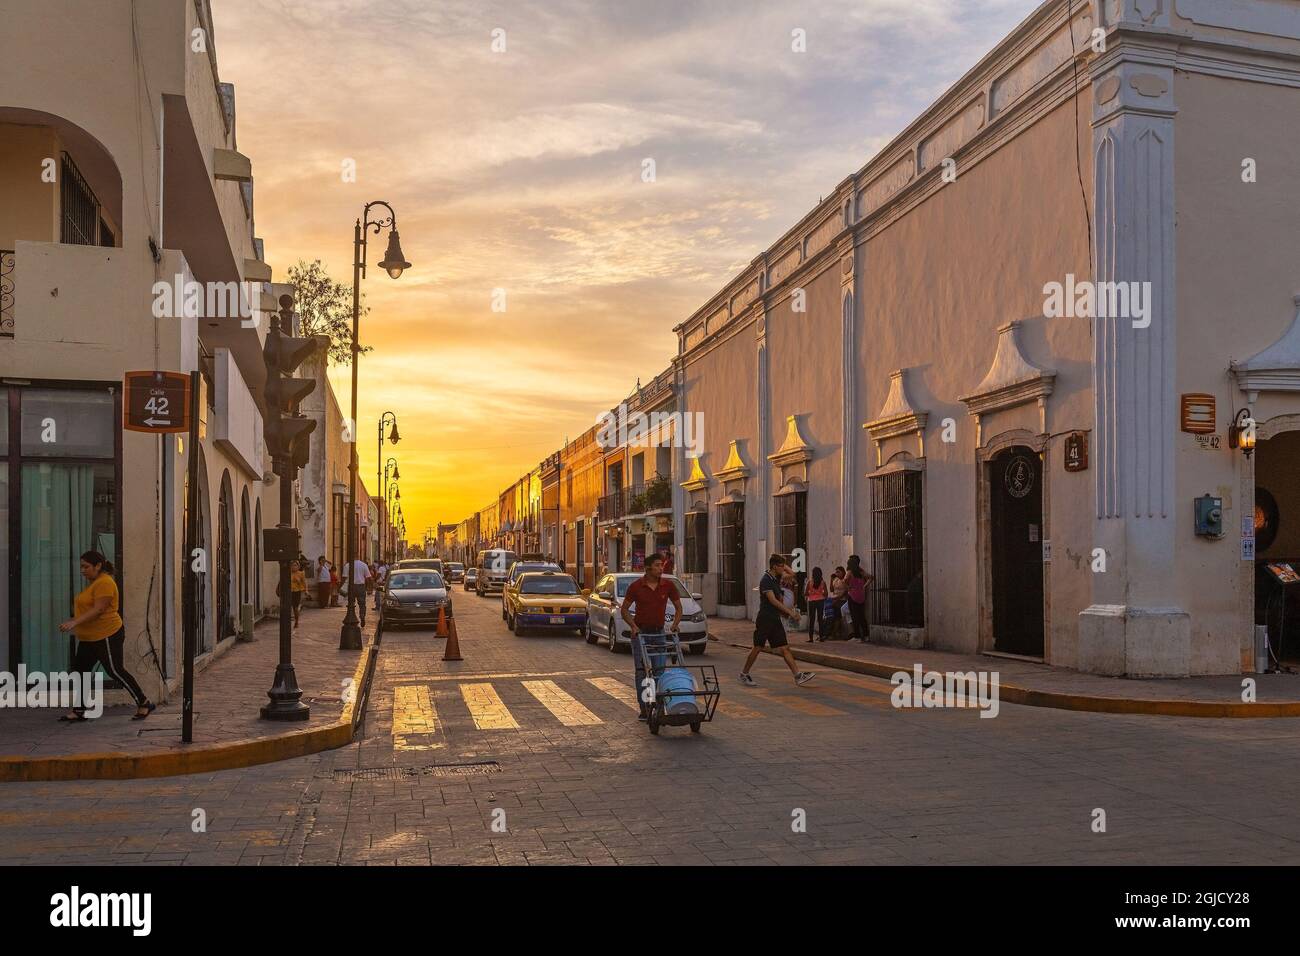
column 547, row 584
column 409, row 581
column 456, row 567
column 625, row 583
column 432, row 565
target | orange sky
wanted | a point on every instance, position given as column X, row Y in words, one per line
column 522, row 170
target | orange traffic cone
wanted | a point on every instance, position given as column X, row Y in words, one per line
column 442, row 622
column 452, row 652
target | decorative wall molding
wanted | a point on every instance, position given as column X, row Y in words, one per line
column 792, row 457
column 1267, row 17
column 1276, row 368
column 848, row 385
column 1012, row 380
column 898, row 417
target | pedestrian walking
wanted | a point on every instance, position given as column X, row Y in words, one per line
column 359, row 573
column 381, row 575
column 767, row 624
column 323, row 578
column 856, row 591
column 649, row 595
column 815, row 594
column 297, row 589
column 101, row 635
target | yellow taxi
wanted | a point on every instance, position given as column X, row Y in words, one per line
column 545, row 601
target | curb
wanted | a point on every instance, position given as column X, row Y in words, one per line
column 1011, row 694
column 244, row 753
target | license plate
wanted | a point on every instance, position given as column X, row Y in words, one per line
column 557, row 620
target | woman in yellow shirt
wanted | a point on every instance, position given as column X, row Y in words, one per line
column 100, row 633
column 298, row 583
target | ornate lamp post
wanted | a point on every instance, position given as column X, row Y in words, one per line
column 394, row 263
column 390, row 468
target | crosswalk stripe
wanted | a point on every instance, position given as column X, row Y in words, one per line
column 413, row 710
column 565, row 707
column 487, row 708
column 616, row 689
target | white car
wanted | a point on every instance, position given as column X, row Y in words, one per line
column 605, row 621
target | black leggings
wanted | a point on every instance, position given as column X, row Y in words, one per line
column 815, row 609
column 859, row 614
column 108, row 654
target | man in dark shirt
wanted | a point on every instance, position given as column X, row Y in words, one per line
column 651, row 594
column 767, row 624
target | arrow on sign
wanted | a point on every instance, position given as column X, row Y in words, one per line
column 157, row 421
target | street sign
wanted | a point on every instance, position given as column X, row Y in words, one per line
column 1076, row 451
column 156, row 402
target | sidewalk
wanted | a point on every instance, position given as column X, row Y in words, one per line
column 228, row 729
column 1038, row 685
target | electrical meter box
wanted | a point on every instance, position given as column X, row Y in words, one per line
column 1209, row 516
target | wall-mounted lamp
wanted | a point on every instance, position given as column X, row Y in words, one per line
column 1242, row 433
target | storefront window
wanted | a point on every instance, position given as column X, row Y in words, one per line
column 67, row 423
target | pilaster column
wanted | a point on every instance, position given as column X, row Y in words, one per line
column 1135, row 626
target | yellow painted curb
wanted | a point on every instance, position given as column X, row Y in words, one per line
column 1011, row 694
column 201, row 759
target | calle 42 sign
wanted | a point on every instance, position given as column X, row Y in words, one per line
column 157, row 402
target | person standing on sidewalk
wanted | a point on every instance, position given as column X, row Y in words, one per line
column 650, row 594
column 856, row 589
column 359, row 573
column 767, row 624
column 297, row 587
column 815, row 593
column 101, row 635
column 322, row 582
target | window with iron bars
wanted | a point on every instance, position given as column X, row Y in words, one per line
column 897, row 553
column 80, row 209
column 697, row 542
column 731, row 553
column 792, row 534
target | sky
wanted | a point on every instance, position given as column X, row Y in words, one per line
column 520, row 171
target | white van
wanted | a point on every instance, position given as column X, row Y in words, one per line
column 493, row 566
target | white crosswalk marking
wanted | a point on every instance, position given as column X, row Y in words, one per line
column 487, row 708
column 566, row 708
column 616, row 689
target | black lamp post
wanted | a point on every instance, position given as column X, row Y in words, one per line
column 381, row 477
column 390, row 467
column 394, row 263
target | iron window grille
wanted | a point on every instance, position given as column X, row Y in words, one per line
column 792, row 534
column 897, row 554
column 697, row 542
column 79, row 208
column 731, row 553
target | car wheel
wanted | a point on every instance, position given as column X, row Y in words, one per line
column 613, row 641
column 698, row 649
column 588, row 633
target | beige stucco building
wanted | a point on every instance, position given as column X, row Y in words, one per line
column 1018, row 481
column 120, row 169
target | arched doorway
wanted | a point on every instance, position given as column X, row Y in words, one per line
column 1277, row 535
column 1015, row 496
column 257, row 557
column 224, row 559
column 245, row 563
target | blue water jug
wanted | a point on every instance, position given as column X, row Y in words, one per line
column 677, row 680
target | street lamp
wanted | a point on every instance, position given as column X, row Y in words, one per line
column 394, row 263
column 390, row 467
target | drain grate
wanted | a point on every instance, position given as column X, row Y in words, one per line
column 428, row 770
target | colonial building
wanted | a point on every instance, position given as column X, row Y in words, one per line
column 912, row 372
column 120, row 170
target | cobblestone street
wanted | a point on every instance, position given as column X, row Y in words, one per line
column 538, row 736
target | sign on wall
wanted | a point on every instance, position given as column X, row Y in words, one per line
column 156, row 402
column 1076, row 451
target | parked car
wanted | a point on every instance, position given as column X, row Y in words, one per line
column 605, row 621
column 455, row 571
column 493, row 565
column 471, row 579
column 546, row 600
column 512, row 579
column 414, row 596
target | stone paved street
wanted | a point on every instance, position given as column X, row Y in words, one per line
column 542, row 728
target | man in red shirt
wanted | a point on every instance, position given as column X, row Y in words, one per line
column 650, row 593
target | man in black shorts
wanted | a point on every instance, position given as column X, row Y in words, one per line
column 767, row 624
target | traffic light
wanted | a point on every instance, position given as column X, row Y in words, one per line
column 287, row 432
